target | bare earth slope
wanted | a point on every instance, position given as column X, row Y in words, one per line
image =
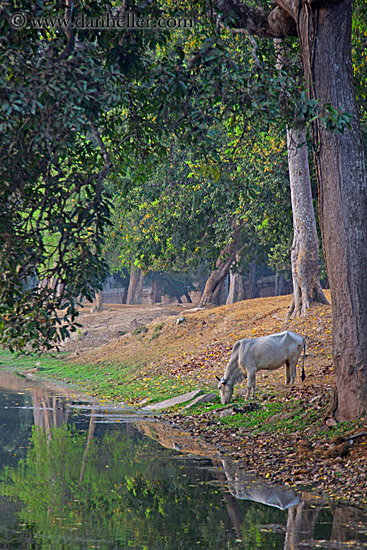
column 197, row 342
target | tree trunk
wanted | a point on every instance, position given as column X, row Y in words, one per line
column 236, row 291
column 280, row 285
column 98, row 302
column 213, row 287
column 224, row 291
column 135, row 290
column 188, row 297
column 305, row 247
column 325, row 33
column 156, row 294
column 252, row 281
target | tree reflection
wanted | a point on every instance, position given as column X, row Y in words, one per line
column 116, row 487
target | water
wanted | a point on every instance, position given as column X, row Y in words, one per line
column 75, row 474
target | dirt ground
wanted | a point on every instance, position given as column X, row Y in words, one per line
column 100, row 328
column 194, row 338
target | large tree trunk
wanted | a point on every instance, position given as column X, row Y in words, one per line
column 305, row 247
column 236, row 291
column 135, row 290
column 325, row 33
column 213, row 287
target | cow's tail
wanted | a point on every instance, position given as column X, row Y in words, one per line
column 303, row 375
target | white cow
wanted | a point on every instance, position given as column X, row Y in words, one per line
column 263, row 353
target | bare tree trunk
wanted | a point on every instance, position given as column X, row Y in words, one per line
column 325, row 35
column 156, row 294
column 98, row 302
column 305, row 247
column 188, row 297
column 213, row 287
column 252, row 281
column 135, row 290
column 236, row 291
column 280, row 285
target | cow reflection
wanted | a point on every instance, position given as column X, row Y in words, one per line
column 244, row 487
column 302, row 514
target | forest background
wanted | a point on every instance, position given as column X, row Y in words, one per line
column 180, row 150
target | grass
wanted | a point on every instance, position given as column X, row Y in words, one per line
column 129, row 384
column 20, row 363
column 136, row 383
column 277, row 417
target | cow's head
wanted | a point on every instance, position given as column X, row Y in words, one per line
column 225, row 390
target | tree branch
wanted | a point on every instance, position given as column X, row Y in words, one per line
column 68, row 31
column 106, row 157
column 236, row 15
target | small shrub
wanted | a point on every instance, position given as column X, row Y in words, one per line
column 140, row 330
column 156, row 331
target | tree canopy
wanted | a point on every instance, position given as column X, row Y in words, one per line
column 85, row 111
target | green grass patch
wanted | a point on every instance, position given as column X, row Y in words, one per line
column 271, row 417
column 108, row 382
column 13, row 362
column 156, row 331
column 140, row 330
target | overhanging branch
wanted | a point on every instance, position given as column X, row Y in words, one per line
column 237, row 15
column 69, row 32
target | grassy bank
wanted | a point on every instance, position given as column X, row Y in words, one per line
column 282, row 437
column 129, row 384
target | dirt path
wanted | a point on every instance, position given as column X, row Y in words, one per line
column 100, row 328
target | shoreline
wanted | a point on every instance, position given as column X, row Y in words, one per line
column 284, row 440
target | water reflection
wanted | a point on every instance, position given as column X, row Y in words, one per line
column 246, row 487
column 73, row 476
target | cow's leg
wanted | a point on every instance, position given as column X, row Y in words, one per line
column 292, row 371
column 287, row 372
column 254, row 387
column 251, row 384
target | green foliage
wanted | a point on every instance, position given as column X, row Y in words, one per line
column 54, row 210
column 91, row 113
column 184, row 215
column 359, row 42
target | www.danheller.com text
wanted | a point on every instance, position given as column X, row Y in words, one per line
column 108, row 22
